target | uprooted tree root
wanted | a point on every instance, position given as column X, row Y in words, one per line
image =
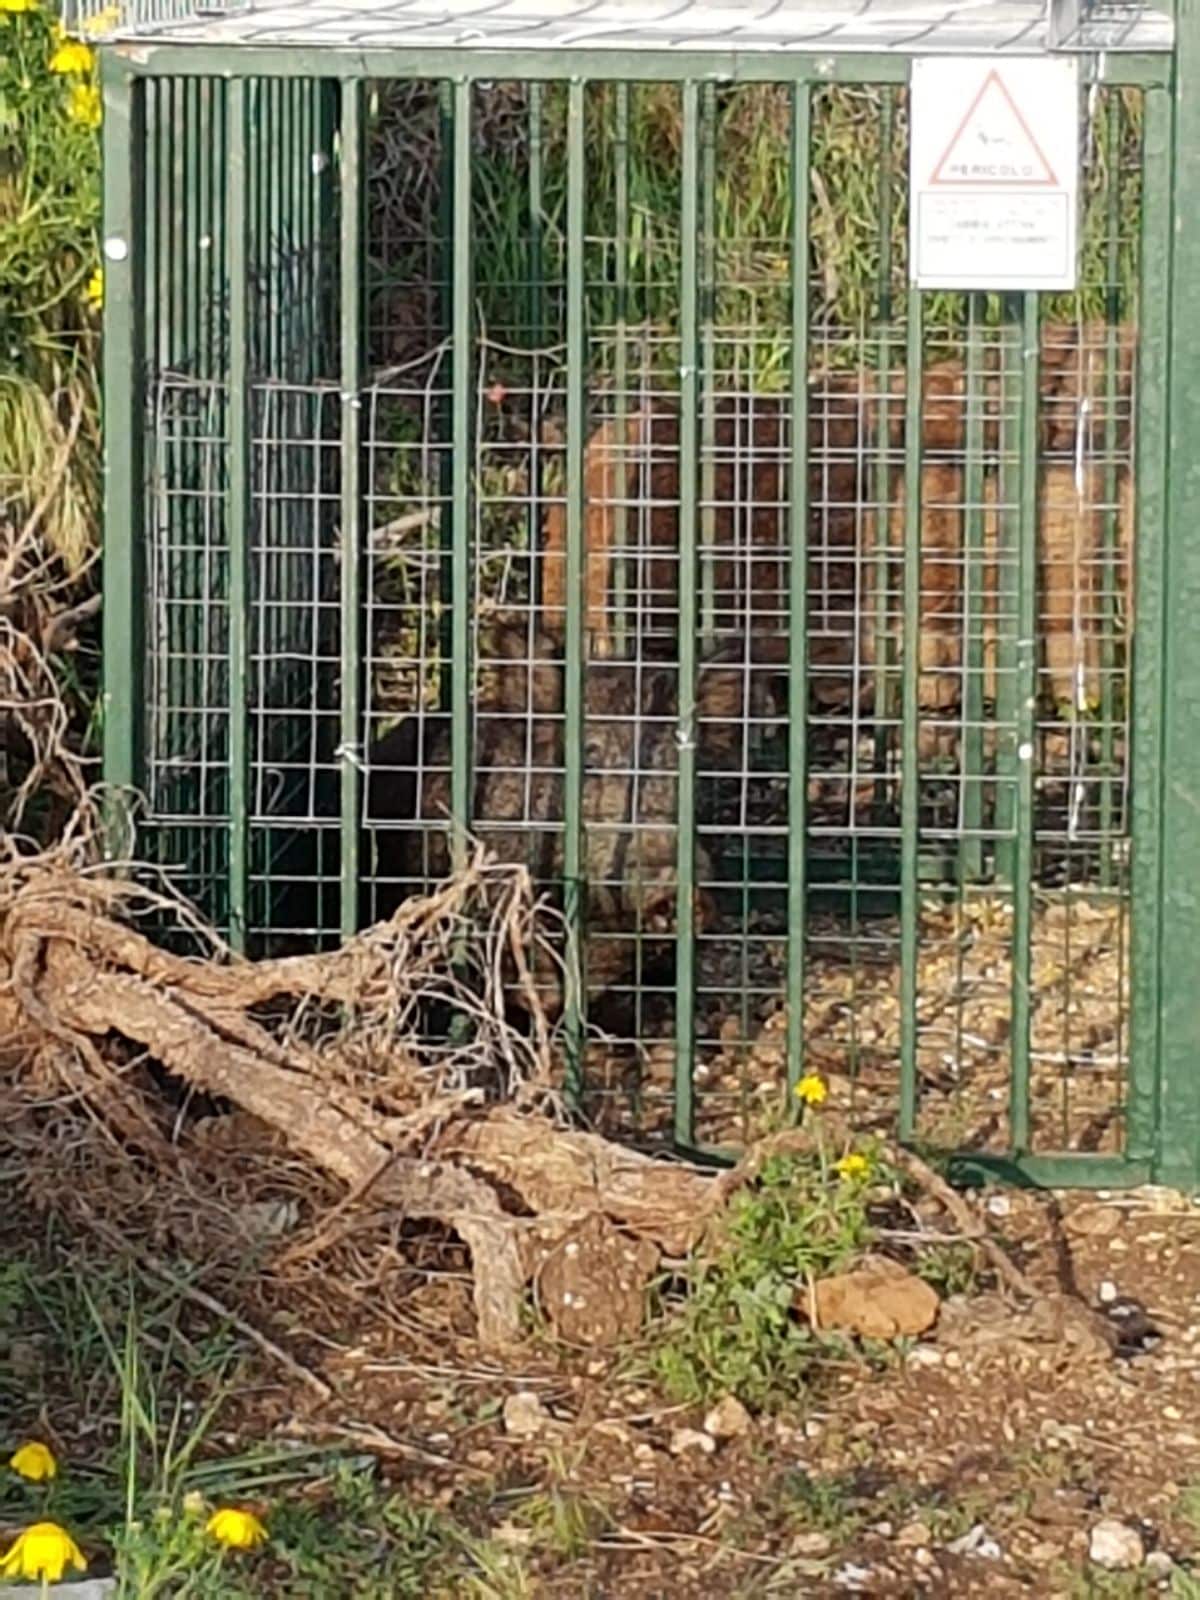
column 329, row 1052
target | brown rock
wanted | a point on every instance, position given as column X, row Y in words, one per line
column 877, row 1301
column 591, row 1285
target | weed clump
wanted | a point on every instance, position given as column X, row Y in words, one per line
column 738, row 1330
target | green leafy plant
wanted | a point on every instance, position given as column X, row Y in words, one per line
column 51, row 285
column 737, row 1331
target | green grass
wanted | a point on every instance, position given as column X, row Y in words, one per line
column 736, row 1331
column 145, row 1407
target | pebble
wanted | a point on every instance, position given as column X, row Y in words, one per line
column 1107, row 1292
column 976, row 1542
column 924, row 1355
column 685, row 1439
column 913, row 1534
column 728, row 1419
column 524, row 1415
column 811, row 1544
column 1159, row 1566
column 852, row 1577
column 1115, row 1546
column 999, row 1205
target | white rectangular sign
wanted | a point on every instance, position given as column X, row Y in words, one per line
column 994, row 173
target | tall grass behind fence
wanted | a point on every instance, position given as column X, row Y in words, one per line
column 852, row 288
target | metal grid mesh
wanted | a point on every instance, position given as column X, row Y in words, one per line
column 997, row 867
column 952, row 26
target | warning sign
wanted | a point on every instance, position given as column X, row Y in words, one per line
column 994, row 173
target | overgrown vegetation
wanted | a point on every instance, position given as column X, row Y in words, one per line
column 634, row 138
column 51, row 288
column 51, row 285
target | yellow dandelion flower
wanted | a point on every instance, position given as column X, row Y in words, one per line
column 15, row 6
column 241, row 1530
column 93, row 289
column 811, row 1089
column 34, row 1461
column 71, row 58
column 852, row 1166
column 43, row 1550
column 83, row 104
column 103, row 22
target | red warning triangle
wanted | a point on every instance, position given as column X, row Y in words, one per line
column 993, row 146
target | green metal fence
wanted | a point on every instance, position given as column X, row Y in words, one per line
column 544, row 444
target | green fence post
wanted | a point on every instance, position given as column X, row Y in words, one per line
column 1178, row 1154
column 240, row 511
column 689, row 450
column 1145, row 721
column 350, row 305
column 574, row 887
column 123, row 382
column 798, row 466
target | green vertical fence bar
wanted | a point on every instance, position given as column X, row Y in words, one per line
column 1111, row 556
column 910, row 782
column 880, row 623
column 1179, row 1152
column 689, row 377
column 124, row 432
column 621, row 366
column 974, row 570
column 574, row 897
column 461, row 474
column 1007, row 599
column 798, row 588
column 447, row 304
column 240, row 507
column 1026, row 686
column 350, row 572
column 1146, row 721
column 708, row 296
column 535, row 311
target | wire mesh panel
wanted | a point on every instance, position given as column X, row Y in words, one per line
column 240, row 460
column 566, row 466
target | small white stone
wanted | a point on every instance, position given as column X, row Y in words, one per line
column 524, row 1415
column 811, row 1544
column 1115, row 1546
column 975, row 1542
column 685, row 1439
column 999, row 1205
column 852, row 1577
column 1107, row 1292
column 728, row 1418
column 924, row 1355
column 1159, row 1565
